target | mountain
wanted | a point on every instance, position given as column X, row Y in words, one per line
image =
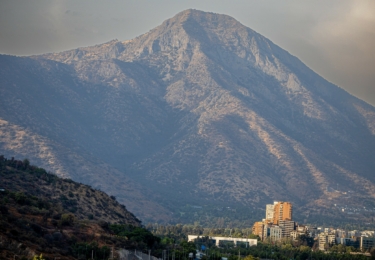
column 200, row 110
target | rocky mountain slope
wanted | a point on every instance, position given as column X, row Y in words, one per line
column 199, row 110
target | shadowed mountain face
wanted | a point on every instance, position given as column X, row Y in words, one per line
column 201, row 108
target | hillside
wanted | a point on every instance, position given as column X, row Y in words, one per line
column 42, row 213
column 200, row 110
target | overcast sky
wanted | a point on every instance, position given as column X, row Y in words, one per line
column 335, row 38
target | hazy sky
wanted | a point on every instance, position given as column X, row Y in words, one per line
column 335, row 38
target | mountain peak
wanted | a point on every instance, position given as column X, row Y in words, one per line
column 203, row 17
column 203, row 22
column 200, row 103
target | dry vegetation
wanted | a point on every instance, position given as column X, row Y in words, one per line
column 41, row 213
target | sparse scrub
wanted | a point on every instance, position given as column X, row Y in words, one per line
column 67, row 219
column 35, row 202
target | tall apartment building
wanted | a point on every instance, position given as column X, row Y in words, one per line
column 269, row 211
column 278, row 222
column 282, row 211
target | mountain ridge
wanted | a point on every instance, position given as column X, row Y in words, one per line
column 204, row 107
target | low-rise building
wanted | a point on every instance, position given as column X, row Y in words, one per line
column 299, row 231
column 258, row 229
column 368, row 233
column 276, row 233
column 367, row 243
column 294, row 234
column 341, row 233
column 312, row 231
column 286, row 226
column 326, row 240
column 235, row 240
column 349, row 241
column 266, row 230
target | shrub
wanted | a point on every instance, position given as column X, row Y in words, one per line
column 3, row 210
column 36, row 228
column 14, row 232
column 63, row 197
column 48, row 238
column 103, row 224
column 67, row 219
column 22, row 210
column 40, row 257
column 11, row 219
column 20, row 198
column 57, row 216
column 26, row 163
column 57, row 236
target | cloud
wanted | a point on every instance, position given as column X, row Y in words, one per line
column 347, row 42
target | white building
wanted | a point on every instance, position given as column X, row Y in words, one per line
column 326, row 240
column 276, row 233
column 270, row 211
column 235, row 240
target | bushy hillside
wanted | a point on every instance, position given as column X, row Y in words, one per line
column 42, row 213
column 33, row 186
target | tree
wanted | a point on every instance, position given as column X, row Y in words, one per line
column 67, row 219
column 334, row 248
column 188, row 247
column 20, row 198
column 287, row 247
column 341, row 248
column 253, row 236
column 372, row 252
column 40, row 257
column 305, row 240
column 304, row 249
column 349, row 249
column 167, row 241
column 26, row 163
